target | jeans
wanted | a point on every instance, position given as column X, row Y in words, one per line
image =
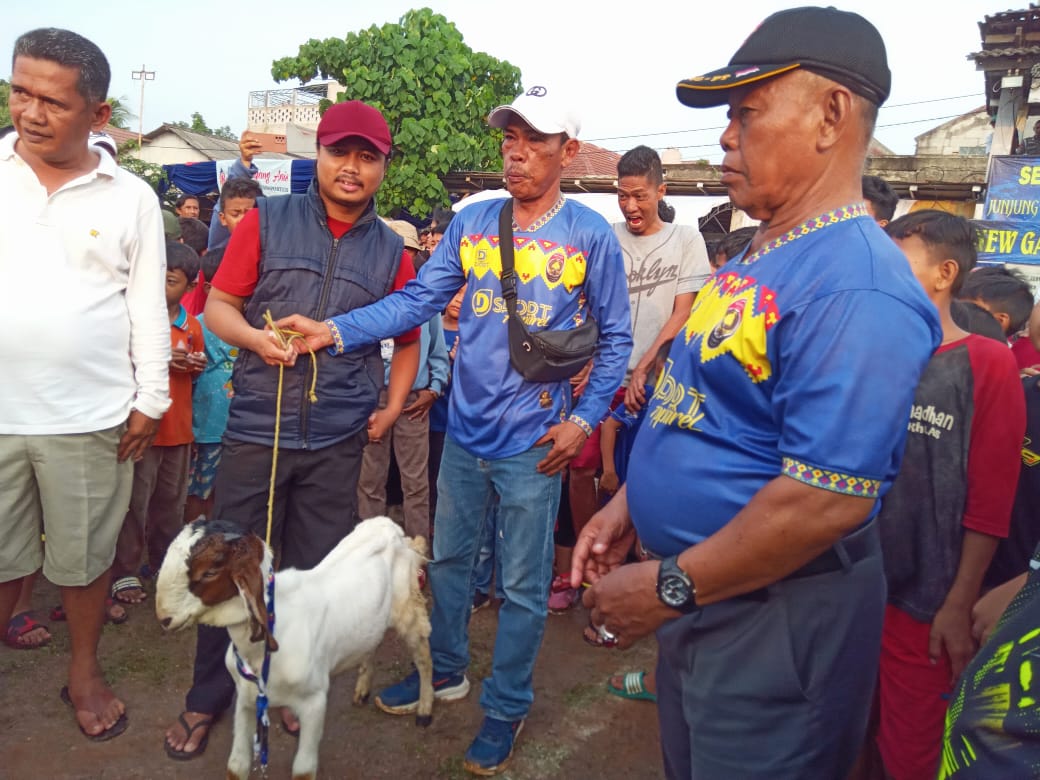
column 488, row 563
column 469, row 489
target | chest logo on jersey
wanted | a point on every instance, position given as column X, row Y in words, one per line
column 732, row 315
column 552, row 263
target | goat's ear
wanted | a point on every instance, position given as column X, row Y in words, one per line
column 249, row 579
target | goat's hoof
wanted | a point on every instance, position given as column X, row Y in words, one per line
column 423, row 720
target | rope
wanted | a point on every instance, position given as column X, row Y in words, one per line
column 285, row 339
column 260, row 737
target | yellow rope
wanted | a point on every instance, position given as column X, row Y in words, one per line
column 285, row 339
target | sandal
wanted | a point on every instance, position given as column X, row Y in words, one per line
column 20, row 625
column 632, row 687
column 111, row 732
column 126, row 584
column 186, row 755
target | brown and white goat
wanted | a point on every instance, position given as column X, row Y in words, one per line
column 328, row 619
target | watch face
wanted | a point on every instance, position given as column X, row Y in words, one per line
column 674, row 592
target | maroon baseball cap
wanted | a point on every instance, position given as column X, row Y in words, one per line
column 353, row 117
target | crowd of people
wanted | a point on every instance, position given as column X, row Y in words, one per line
column 795, row 456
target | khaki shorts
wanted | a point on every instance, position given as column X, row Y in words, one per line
column 71, row 488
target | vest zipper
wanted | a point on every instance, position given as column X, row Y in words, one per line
column 323, row 301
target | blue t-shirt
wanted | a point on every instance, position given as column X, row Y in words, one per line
column 439, row 410
column 211, row 398
column 568, row 268
column 800, row 359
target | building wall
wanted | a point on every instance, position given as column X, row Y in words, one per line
column 169, row 149
column 966, row 136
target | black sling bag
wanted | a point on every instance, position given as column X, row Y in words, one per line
column 548, row 355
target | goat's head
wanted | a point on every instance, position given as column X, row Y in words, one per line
column 206, row 567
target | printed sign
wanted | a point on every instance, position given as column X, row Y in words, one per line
column 274, row 176
column 1013, row 193
column 1008, row 242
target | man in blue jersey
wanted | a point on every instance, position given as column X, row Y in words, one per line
column 755, row 478
column 508, row 440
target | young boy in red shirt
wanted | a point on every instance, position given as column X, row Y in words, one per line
column 949, row 506
column 161, row 476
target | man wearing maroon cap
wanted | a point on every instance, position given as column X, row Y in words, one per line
column 322, row 252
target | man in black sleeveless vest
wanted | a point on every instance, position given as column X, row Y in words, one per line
column 322, row 252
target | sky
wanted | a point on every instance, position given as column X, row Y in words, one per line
column 619, row 63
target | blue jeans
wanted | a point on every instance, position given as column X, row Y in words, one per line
column 469, row 491
column 488, row 563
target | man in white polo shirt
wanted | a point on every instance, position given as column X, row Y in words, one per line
column 85, row 356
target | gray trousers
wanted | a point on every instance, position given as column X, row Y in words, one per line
column 777, row 688
column 411, row 442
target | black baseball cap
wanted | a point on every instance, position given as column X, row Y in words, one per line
column 841, row 46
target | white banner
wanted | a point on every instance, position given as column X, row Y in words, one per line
column 274, row 176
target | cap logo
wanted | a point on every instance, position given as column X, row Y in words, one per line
column 537, row 92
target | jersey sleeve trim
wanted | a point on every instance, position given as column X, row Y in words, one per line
column 835, row 481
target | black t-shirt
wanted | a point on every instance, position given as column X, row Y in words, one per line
column 993, row 724
column 1013, row 554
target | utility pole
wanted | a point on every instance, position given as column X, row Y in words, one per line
column 142, row 75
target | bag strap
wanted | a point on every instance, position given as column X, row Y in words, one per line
column 517, row 330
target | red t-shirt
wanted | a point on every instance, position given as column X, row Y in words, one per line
column 1025, row 354
column 175, row 425
column 240, row 269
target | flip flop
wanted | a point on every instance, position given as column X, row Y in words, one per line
column 113, row 731
column 124, row 584
column 632, row 687
column 185, row 755
column 20, row 625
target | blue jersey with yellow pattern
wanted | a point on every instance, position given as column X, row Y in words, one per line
column 800, row 359
column 569, row 267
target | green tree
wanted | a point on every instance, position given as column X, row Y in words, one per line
column 434, row 91
column 150, row 172
column 5, row 96
column 198, row 125
column 121, row 113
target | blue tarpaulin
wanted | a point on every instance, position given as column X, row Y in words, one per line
column 201, row 178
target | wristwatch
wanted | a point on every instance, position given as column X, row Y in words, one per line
column 675, row 589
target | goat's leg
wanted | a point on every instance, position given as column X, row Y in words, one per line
column 241, row 759
column 419, row 645
column 364, row 681
column 311, row 712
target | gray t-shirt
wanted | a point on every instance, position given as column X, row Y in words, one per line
column 658, row 267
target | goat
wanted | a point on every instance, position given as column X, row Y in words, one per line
column 329, row 619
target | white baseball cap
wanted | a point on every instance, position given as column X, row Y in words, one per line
column 541, row 109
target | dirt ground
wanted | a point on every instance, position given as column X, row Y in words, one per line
column 576, row 729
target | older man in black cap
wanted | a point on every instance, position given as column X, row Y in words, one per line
column 768, row 442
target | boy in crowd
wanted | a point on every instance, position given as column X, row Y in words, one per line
column 409, row 433
column 161, row 476
column 1013, row 554
column 187, row 206
column 949, row 505
column 195, row 234
column 1003, row 293
column 210, row 402
column 237, row 197
column 732, row 244
column 881, row 199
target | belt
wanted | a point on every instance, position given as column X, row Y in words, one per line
column 840, row 556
